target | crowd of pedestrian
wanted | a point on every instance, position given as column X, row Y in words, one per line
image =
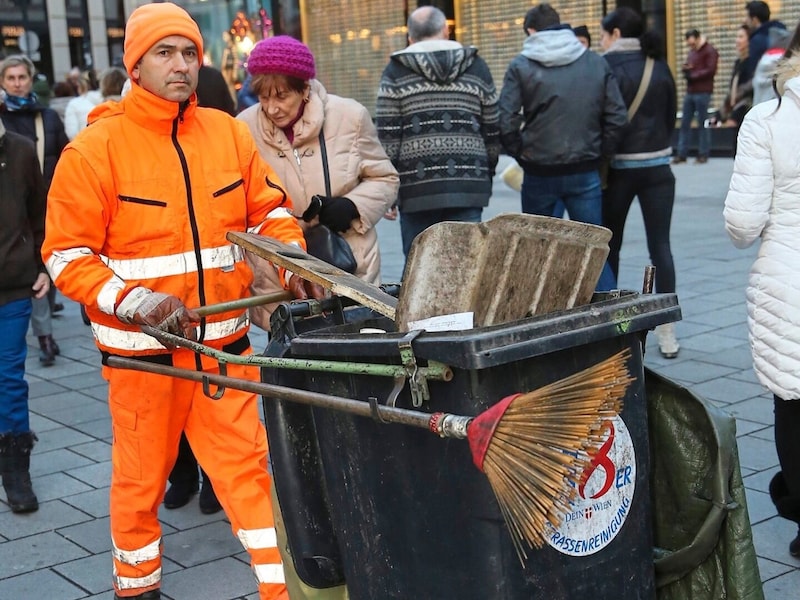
column 143, row 183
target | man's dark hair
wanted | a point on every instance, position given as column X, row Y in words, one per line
column 756, row 9
column 541, row 17
column 695, row 33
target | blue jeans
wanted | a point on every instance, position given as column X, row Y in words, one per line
column 580, row 193
column 14, row 319
column 414, row 223
column 695, row 104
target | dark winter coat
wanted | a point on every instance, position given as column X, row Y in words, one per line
column 437, row 120
column 23, row 122
column 650, row 132
column 759, row 43
column 213, row 91
column 22, row 210
column 572, row 112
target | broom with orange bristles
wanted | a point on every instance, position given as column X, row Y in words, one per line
column 532, row 447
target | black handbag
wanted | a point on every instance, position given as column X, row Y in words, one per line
column 321, row 241
column 330, row 247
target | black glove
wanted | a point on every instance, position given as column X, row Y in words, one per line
column 337, row 212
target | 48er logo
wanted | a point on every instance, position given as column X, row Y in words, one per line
column 604, row 498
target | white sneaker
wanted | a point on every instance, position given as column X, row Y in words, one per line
column 667, row 343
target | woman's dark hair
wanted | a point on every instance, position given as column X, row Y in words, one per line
column 630, row 25
column 626, row 20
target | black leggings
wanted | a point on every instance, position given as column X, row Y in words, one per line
column 787, row 443
column 655, row 188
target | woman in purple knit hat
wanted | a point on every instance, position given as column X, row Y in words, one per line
column 293, row 114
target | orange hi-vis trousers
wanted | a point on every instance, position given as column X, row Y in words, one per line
column 148, row 414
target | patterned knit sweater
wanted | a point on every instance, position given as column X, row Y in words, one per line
column 437, row 118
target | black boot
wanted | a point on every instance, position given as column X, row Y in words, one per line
column 15, row 457
column 208, row 499
column 47, row 350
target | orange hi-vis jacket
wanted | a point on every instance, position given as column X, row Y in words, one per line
column 144, row 196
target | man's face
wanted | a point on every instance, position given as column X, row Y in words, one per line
column 17, row 81
column 169, row 68
column 692, row 42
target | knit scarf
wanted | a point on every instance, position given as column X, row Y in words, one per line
column 14, row 103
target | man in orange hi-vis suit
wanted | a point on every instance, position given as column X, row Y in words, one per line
column 137, row 215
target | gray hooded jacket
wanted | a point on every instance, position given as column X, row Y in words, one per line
column 561, row 110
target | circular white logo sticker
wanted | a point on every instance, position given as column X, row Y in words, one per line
column 603, row 498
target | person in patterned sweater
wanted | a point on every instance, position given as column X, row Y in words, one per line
column 437, row 118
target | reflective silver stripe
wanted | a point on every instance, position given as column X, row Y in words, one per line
column 221, row 257
column 269, row 573
column 131, row 583
column 107, row 297
column 276, row 213
column 136, row 340
column 61, row 258
column 258, row 539
column 138, row 556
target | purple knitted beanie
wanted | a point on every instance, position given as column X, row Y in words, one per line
column 281, row 55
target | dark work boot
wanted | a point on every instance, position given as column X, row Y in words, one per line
column 15, row 456
column 47, row 350
column 179, row 493
column 208, row 499
column 794, row 546
column 151, row 595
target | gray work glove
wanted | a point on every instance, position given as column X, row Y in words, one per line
column 161, row 311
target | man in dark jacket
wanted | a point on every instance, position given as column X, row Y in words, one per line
column 21, row 113
column 437, row 120
column 561, row 112
column 699, row 70
column 758, row 19
column 213, row 91
column 22, row 277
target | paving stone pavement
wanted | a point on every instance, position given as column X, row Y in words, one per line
column 62, row 552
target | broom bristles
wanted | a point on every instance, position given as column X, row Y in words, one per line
column 544, row 441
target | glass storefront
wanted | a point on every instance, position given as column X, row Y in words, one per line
column 115, row 30
column 24, row 30
column 80, row 39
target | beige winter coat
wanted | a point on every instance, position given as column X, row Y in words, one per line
column 358, row 166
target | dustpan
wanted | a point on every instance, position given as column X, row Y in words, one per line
column 502, row 270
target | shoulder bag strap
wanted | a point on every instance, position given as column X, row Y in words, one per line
column 40, row 139
column 643, row 85
column 323, row 152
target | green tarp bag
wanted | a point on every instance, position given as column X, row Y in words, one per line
column 703, row 541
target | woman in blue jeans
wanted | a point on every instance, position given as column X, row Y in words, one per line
column 640, row 168
column 22, row 277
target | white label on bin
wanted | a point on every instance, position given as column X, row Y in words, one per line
column 452, row 322
column 604, row 497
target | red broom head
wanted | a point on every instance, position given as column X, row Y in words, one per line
column 482, row 428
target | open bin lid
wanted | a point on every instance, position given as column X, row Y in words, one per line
column 486, row 347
